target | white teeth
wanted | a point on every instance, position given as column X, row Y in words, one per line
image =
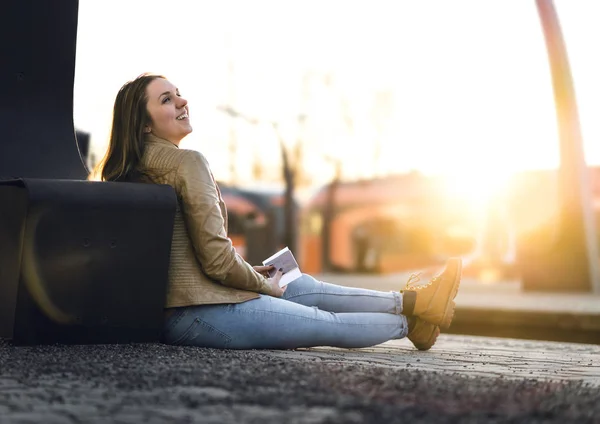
column 180, row 117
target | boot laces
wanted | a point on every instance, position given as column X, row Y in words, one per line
column 414, row 278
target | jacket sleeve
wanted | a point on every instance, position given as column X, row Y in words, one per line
column 204, row 221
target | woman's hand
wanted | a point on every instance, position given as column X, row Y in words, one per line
column 263, row 269
column 276, row 291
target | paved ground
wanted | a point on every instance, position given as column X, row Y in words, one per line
column 462, row 379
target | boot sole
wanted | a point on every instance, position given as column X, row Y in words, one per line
column 451, row 305
column 430, row 342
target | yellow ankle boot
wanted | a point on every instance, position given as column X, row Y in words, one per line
column 434, row 301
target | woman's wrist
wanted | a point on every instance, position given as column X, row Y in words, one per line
column 267, row 287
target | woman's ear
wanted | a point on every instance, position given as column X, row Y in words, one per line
column 147, row 130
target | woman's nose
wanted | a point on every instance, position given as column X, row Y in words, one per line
column 182, row 102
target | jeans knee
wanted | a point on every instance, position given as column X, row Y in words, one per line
column 307, row 277
column 302, row 285
column 307, row 282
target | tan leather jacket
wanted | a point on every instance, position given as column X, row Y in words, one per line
column 204, row 268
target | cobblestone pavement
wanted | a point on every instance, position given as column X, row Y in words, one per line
column 462, row 379
column 477, row 356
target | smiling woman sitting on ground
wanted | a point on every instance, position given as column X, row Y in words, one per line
column 215, row 298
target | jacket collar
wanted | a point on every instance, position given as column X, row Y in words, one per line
column 151, row 138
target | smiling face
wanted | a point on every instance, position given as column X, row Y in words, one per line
column 168, row 111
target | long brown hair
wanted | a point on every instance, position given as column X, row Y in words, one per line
column 122, row 161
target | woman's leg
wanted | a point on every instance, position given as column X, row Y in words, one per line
column 309, row 291
column 273, row 323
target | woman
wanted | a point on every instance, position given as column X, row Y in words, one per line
column 215, row 298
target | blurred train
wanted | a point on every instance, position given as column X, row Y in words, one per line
column 411, row 221
column 384, row 225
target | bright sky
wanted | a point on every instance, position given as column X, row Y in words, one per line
column 464, row 85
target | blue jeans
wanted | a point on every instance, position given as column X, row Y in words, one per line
column 311, row 313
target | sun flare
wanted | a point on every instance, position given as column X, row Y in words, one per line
column 477, row 186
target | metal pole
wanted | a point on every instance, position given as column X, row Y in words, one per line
column 578, row 250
